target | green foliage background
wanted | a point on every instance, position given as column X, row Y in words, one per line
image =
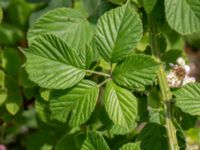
column 79, row 74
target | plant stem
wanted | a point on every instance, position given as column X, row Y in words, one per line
column 98, row 73
column 165, row 90
column 167, row 96
column 104, row 82
column 153, row 38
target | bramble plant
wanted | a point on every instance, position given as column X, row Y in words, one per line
column 113, row 78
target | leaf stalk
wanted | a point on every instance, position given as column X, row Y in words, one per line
column 98, row 73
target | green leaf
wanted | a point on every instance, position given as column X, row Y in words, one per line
column 18, row 13
column 154, row 98
column 52, row 64
column 136, row 71
column 185, row 120
column 11, row 62
column 41, row 140
column 94, row 141
column 171, row 56
column 52, row 4
column 188, row 98
column 11, row 95
column 2, row 80
column 143, row 112
column 71, row 142
column 87, row 55
column 153, row 137
column 13, row 103
column 3, row 96
column 14, row 99
column 120, row 104
column 118, row 32
column 184, row 24
column 193, row 40
column 92, row 6
column 131, row 146
column 1, row 14
column 10, row 34
column 42, row 110
column 114, row 128
column 45, row 93
column 77, row 103
column 65, row 23
column 149, row 5
column 119, row 2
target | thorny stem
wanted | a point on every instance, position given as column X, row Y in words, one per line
column 165, row 90
column 98, row 73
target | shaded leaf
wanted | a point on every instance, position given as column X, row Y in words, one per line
column 153, row 137
column 119, row 2
column 149, row 5
column 1, row 14
column 171, row 56
column 70, row 141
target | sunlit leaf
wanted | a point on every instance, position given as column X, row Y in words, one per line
column 95, row 141
column 136, row 71
column 120, row 104
column 65, row 23
column 52, row 64
column 188, row 99
column 77, row 103
column 118, row 32
column 183, row 24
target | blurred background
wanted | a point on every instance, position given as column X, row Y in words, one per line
column 20, row 127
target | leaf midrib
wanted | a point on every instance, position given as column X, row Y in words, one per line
column 115, row 91
column 62, row 63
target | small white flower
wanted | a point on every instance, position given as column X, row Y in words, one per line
column 180, row 61
column 188, row 79
column 179, row 75
column 187, row 69
column 173, row 80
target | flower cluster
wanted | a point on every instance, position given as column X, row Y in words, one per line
column 179, row 75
